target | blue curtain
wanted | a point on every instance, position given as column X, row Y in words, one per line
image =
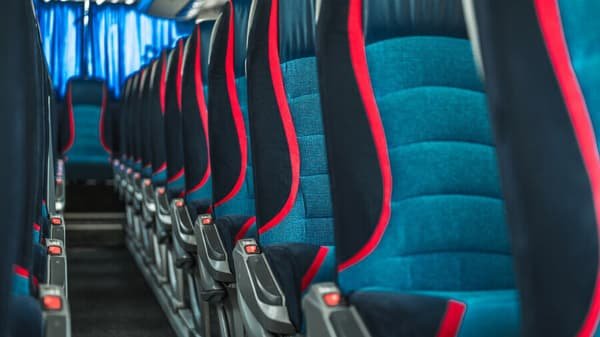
column 117, row 41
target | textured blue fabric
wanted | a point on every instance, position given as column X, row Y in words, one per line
column 118, row 41
column 582, row 31
column 20, row 285
column 87, row 148
column 177, row 185
column 159, row 178
column 310, row 220
column 243, row 202
column 447, row 228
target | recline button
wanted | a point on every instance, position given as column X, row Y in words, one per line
column 252, row 249
column 56, row 221
column 332, row 299
column 52, row 303
column 54, row 250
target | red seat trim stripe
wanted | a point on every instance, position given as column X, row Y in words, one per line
column 161, row 168
column 179, row 73
column 201, row 102
column 21, row 271
column 236, row 112
column 162, row 89
column 314, row 267
column 363, row 80
column 102, row 113
column 548, row 13
column 245, row 228
column 450, row 325
column 176, row 176
column 286, row 118
column 69, row 144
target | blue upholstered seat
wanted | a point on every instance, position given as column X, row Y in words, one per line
column 293, row 203
column 419, row 213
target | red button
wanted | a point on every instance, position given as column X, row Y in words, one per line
column 54, row 250
column 52, row 302
column 332, row 299
column 59, row 181
column 206, row 221
column 56, row 221
column 251, row 249
column 179, row 203
column 147, row 182
column 161, row 190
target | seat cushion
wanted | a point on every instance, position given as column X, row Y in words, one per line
column 296, row 266
column 457, row 314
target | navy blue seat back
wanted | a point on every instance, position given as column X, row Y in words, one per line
column 291, row 172
column 122, row 121
column 157, row 125
column 231, row 159
column 173, row 124
column 86, row 101
column 542, row 72
column 195, row 116
column 22, row 133
column 130, row 122
column 136, row 120
column 144, row 122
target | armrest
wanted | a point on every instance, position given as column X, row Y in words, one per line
column 129, row 182
column 216, row 240
column 55, row 311
column 183, row 227
column 57, row 227
column 163, row 214
column 57, row 263
column 271, row 281
column 60, row 194
column 328, row 314
column 137, row 192
column 149, row 204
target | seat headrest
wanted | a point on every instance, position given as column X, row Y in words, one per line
column 241, row 9
column 296, row 29
column 393, row 18
column 87, row 91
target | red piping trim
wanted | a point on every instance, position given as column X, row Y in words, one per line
column 179, row 73
column 286, row 117
column 102, row 112
column 245, row 228
column 236, row 112
column 161, row 168
column 176, row 176
column 363, row 80
column 162, row 89
column 314, row 267
column 69, row 145
column 452, row 320
column 201, row 102
column 548, row 13
column 21, row 271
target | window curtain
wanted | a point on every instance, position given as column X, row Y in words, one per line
column 117, row 41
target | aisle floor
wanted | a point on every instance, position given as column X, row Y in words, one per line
column 109, row 297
